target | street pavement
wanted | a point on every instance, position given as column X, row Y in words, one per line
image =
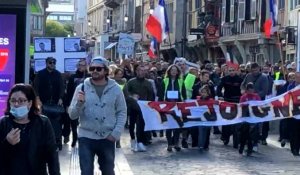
column 219, row 160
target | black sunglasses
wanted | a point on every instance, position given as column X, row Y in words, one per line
column 98, row 69
column 52, row 62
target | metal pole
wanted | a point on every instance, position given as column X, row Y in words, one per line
column 27, row 43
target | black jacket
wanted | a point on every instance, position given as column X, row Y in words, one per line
column 49, row 86
column 232, row 88
column 73, row 82
column 199, row 85
column 41, row 149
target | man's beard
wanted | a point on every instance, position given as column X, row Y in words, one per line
column 98, row 78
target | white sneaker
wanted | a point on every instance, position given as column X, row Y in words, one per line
column 132, row 144
column 255, row 149
column 141, row 147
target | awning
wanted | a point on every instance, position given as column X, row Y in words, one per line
column 111, row 45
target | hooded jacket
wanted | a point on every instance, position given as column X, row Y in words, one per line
column 99, row 117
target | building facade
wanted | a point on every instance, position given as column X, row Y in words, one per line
column 37, row 17
column 61, row 11
column 80, row 17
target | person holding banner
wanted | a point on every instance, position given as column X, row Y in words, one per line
column 138, row 88
column 204, row 131
column 231, row 85
column 201, row 135
column 295, row 123
column 174, row 91
column 246, row 129
column 189, row 81
column 261, row 87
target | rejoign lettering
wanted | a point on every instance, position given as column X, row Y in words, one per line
column 4, row 41
column 229, row 111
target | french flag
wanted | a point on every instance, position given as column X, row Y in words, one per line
column 269, row 25
column 157, row 23
column 152, row 49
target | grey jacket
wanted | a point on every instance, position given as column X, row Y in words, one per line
column 261, row 84
column 99, row 118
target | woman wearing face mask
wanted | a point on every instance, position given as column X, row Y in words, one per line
column 27, row 142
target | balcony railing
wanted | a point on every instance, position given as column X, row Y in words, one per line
column 113, row 3
column 243, row 27
column 248, row 27
column 227, row 29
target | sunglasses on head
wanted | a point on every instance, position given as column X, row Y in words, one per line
column 98, row 69
column 52, row 62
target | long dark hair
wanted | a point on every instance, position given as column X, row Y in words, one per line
column 30, row 95
column 168, row 72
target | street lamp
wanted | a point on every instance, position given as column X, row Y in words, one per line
column 89, row 23
column 74, row 33
column 107, row 20
column 126, row 18
column 151, row 11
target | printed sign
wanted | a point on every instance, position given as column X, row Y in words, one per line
column 126, row 44
column 7, row 57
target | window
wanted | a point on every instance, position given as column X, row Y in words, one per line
column 190, row 15
column 253, row 9
column 281, row 4
column 65, row 18
column 241, row 10
column 223, row 17
column 198, row 4
column 227, row 7
column 169, row 8
column 292, row 4
column 232, row 11
column 52, row 17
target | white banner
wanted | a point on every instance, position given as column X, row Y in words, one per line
column 168, row 115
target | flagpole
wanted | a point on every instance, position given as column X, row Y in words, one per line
column 158, row 51
column 281, row 57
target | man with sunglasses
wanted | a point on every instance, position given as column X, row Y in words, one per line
column 49, row 87
column 100, row 104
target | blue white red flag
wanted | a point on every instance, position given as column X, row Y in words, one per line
column 152, row 50
column 157, row 23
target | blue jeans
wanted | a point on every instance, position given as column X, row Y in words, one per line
column 203, row 137
column 105, row 151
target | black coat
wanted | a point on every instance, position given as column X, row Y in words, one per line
column 49, row 86
column 41, row 150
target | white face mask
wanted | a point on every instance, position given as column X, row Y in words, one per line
column 19, row 112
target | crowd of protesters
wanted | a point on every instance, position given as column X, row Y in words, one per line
column 100, row 98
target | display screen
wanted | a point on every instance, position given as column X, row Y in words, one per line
column 73, row 45
column 7, row 57
column 43, row 45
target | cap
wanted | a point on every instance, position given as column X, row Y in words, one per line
column 289, row 66
column 180, row 59
column 50, row 58
column 100, row 60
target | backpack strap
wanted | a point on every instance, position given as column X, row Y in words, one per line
column 82, row 87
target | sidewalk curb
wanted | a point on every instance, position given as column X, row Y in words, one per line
column 121, row 164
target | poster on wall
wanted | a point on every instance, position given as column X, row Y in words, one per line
column 71, row 64
column 66, row 52
column 7, row 57
column 126, row 44
column 73, row 45
column 44, row 45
